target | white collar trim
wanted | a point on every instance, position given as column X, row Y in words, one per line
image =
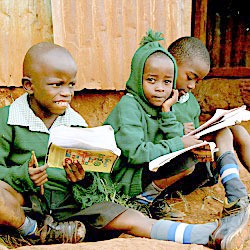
column 20, row 114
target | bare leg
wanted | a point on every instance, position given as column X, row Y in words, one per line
column 242, row 144
column 224, row 141
column 132, row 222
column 11, row 212
column 163, row 183
column 12, row 191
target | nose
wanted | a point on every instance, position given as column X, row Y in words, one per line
column 66, row 91
column 191, row 85
column 159, row 86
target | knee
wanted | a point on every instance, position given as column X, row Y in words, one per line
column 7, row 191
column 189, row 171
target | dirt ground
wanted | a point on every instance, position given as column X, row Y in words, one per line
column 200, row 206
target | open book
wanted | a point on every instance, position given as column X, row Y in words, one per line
column 209, row 149
column 221, row 119
column 95, row 148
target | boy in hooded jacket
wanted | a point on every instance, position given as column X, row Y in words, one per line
column 146, row 128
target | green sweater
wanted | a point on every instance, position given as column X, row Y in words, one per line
column 142, row 131
column 188, row 111
column 16, row 144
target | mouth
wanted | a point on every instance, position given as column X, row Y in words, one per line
column 62, row 103
column 159, row 98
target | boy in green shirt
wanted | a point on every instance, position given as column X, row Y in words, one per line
column 193, row 62
column 145, row 129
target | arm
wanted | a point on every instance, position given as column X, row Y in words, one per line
column 15, row 175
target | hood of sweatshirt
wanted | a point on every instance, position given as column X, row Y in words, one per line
column 134, row 83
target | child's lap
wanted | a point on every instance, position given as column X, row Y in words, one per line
column 174, row 167
column 63, row 207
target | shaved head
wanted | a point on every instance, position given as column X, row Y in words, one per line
column 42, row 53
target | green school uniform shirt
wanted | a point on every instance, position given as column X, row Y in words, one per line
column 142, row 131
column 188, row 111
column 20, row 133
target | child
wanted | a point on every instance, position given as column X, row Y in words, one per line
column 145, row 128
column 49, row 76
column 193, row 63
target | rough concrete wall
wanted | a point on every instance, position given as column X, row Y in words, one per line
column 95, row 106
column 222, row 93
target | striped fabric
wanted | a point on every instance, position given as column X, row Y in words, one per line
column 172, row 231
column 20, row 114
column 228, row 172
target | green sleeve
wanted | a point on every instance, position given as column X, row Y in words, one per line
column 131, row 133
column 15, row 175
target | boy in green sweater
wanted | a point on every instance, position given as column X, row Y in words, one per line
column 193, row 62
column 146, row 128
column 49, row 76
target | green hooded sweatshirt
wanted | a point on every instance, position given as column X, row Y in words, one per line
column 142, row 131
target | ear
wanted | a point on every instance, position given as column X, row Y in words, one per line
column 27, row 85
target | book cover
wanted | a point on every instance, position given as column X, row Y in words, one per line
column 94, row 148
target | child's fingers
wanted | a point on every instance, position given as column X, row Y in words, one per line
column 74, row 171
column 40, row 181
column 34, row 171
column 78, row 170
column 35, row 177
column 69, row 172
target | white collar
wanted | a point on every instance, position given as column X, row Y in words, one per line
column 21, row 114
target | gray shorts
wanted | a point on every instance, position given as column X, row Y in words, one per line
column 63, row 207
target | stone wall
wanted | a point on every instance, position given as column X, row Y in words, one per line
column 95, row 105
column 222, row 93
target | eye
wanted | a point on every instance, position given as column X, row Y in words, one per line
column 150, row 79
column 167, row 82
column 72, row 84
column 55, row 84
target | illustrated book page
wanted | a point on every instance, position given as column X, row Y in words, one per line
column 94, row 148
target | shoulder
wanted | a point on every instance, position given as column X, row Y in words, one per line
column 193, row 101
column 74, row 118
column 127, row 102
column 125, row 110
column 4, row 114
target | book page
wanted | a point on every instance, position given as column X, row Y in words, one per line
column 160, row 161
column 222, row 118
column 96, row 138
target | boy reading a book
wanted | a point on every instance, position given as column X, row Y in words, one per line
column 49, row 76
column 193, row 62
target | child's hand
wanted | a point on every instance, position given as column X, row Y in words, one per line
column 188, row 127
column 74, row 171
column 190, row 140
column 170, row 101
column 37, row 174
